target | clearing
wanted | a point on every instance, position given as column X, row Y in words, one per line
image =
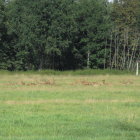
column 66, row 107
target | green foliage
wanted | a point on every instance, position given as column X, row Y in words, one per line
column 2, row 35
column 44, row 30
column 68, row 34
column 125, row 33
column 93, row 30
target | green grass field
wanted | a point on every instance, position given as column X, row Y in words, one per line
column 68, row 107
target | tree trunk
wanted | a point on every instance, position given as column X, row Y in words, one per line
column 88, row 59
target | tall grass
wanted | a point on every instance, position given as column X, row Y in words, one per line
column 72, row 72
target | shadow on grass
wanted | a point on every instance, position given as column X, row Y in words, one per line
column 108, row 128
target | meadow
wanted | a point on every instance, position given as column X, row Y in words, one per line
column 69, row 107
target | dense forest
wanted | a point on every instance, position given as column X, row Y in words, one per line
column 69, row 34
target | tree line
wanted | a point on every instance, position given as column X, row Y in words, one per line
column 69, row 34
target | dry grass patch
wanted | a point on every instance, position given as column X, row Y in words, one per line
column 62, row 101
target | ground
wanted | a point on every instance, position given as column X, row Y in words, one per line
column 41, row 107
